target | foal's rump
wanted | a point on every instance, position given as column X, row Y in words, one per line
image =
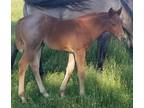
column 32, row 30
column 27, row 33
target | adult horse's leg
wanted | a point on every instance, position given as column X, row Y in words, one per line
column 69, row 70
column 103, row 42
column 13, row 55
column 41, row 69
column 35, row 68
column 80, row 62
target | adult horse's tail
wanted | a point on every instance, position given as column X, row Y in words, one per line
column 70, row 4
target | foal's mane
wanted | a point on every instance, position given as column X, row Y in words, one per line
column 92, row 15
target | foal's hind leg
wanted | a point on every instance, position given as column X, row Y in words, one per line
column 22, row 69
column 69, row 70
column 35, row 68
column 80, row 62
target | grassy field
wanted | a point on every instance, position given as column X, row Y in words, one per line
column 111, row 89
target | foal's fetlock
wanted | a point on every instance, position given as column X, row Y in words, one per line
column 62, row 94
column 82, row 93
column 45, row 94
column 23, row 99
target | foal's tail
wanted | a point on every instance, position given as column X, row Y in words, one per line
column 19, row 41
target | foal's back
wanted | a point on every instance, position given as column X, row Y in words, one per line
column 68, row 35
column 57, row 34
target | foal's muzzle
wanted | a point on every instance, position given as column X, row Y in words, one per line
column 122, row 37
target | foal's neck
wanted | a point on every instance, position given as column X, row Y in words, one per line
column 97, row 24
column 100, row 25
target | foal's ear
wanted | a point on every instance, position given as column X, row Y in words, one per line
column 119, row 11
column 111, row 12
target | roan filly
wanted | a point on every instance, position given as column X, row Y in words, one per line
column 73, row 36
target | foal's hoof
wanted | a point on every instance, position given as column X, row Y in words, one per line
column 45, row 94
column 82, row 93
column 62, row 93
column 23, row 99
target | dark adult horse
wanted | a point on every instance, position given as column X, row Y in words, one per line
column 63, row 9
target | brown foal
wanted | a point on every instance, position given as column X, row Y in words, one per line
column 73, row 36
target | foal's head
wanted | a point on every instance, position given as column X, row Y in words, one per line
column 114, row 23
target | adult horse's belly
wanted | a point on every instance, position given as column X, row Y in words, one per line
column 95, row 6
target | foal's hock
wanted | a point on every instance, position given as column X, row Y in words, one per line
column 73, row 36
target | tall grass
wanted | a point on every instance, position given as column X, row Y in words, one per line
column 110, row 89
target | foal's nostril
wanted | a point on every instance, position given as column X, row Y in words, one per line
column 123, row 36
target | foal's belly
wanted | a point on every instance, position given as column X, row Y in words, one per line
column 69, row 43
column 59, row 44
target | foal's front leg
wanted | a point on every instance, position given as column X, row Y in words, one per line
column 69, row 70
column 80, row 62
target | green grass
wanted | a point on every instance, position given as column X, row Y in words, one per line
column 110, row 89
column 16, row 13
